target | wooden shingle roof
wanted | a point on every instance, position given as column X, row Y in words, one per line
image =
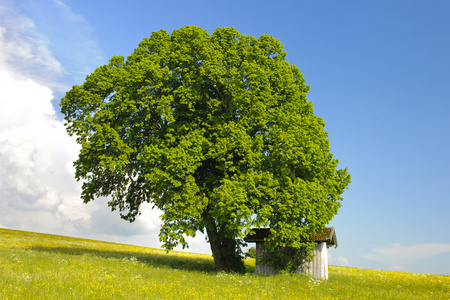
column 327, row 235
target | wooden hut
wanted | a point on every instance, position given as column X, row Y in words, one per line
column 318, row 268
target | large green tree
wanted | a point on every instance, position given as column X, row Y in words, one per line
column 215, row 131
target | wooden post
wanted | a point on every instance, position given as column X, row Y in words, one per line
column 260, row 267
column 318, row 268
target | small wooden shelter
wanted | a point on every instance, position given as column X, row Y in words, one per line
column 318, row 268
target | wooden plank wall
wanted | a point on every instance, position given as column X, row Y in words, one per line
column 260, row 267
column 318, row 268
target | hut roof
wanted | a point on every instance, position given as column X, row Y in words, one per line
column 327, row 235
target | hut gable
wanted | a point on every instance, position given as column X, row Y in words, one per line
column 318, row 268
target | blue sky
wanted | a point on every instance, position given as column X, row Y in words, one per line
column 380, row 78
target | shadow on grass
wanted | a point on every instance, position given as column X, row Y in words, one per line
column 249, row 266
column 160, row 260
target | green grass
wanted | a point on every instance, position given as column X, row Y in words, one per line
column 41, row 266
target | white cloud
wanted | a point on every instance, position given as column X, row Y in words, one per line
column 61, row 53
column 342, row 261
column 399, row 257
column 338, row 261
column 34, row 153
column 23, row 51
column 399, row 269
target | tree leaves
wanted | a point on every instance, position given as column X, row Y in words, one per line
column 214, row 130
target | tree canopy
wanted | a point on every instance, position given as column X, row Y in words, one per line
column 215, row 131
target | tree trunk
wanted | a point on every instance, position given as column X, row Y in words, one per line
column 224, row 249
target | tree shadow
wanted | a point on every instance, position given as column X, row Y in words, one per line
column 157, row 260
column 249, row 265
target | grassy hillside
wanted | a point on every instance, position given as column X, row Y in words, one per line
column 41, row 266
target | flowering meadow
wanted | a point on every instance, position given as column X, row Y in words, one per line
column 42, row 266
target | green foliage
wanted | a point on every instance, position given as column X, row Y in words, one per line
column 251, row 252
column 214, row 130
column 288, row 259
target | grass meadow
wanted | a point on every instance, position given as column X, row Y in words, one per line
column 42, row 266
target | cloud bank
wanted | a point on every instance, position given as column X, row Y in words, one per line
column 24, row 51
column 399, row 257
column 338, row 261
column 36, row 186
